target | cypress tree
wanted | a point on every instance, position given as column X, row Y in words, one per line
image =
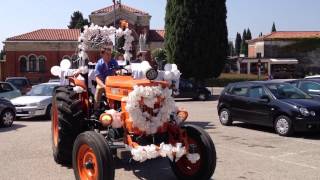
column 244, row 48
column 196, row 36
column 238, row 44
column 77, row 21
column 249, row 36
column 273, row 29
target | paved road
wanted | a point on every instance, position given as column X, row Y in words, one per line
column 244, row 152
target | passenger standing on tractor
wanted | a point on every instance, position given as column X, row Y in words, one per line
column 106, row 66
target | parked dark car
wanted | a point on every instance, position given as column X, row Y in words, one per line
column 279, row 105
column 188, row 89
column 21, row 83
column 7, row 113
column 310, row 86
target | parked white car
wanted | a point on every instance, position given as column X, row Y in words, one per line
column 37, row 102
column 312, row 77
column 8, row 91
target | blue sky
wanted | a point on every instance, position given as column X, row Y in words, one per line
column 20, row 16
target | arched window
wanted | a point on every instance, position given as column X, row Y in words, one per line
column 42, row 64
column 23, row 64
column 32, row 63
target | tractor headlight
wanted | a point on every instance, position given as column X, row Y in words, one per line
column 152, row 74
column 304, row 111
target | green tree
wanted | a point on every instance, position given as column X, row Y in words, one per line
column 2, row 53
column 273, row 29
column 260, row 35
column 244, row 47
column 249, row 36
column 196, row 36
column 231, row 50
column 159, row 54
column 77, row 21
column 238, row 44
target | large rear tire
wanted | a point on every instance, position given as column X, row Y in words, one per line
column 67, row 123
column 204, row 168
column 92, row 158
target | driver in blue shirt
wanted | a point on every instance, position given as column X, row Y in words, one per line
column 106, row 66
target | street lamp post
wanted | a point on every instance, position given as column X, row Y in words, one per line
column 259, row 65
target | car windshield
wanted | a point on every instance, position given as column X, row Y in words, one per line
column 287, row 91
column 42, row 90
column 18, row 83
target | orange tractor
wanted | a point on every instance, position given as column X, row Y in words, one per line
column 91, row 144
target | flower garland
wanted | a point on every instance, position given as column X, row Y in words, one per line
column 174, row 153
column 149, row 95
column 95, row 36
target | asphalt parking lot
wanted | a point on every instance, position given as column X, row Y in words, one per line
column 244, row 151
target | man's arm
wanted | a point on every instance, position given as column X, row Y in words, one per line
column 99, row 82
column 98, row 73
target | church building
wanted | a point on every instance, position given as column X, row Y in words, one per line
column 34, row 53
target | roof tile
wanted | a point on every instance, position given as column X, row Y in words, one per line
column 110, row 9
column 156, row 35
column 288, row 35
column 48, row 35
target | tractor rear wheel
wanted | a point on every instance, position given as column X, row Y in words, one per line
column 92, row 158
column 204, row 168
column 66, row 122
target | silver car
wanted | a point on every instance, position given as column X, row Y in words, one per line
column 8, row 91
column 37, row 102
column 7, row 113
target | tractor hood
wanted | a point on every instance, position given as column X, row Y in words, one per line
column 128, row 82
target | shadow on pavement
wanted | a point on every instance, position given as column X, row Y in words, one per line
column 14, row 127
column 156, row 169
column 212, row 98
column 315, row 135
column 202, row 124
column 34, row 119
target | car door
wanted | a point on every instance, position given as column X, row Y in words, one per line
column 259, row 109
column 311, row 88
column 238, row 102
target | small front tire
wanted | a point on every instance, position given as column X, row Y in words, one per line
column 92, row 158
column 204, row 168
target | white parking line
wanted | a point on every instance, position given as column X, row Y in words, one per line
column 268, row 157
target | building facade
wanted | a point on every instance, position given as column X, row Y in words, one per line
column 34, row 53
column 288, row 53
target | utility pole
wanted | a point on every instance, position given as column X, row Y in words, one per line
column 114, row 24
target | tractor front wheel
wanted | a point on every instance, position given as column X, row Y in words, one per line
column 204, row 168
column 92, row 158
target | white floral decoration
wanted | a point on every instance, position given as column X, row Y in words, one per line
column 94, row 36
column 174, row 153
column 149, row 95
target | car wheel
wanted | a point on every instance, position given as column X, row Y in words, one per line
column 48, row 111
column 283, row 126
column 225, row 117
column 7, row 118
column 202, row 97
